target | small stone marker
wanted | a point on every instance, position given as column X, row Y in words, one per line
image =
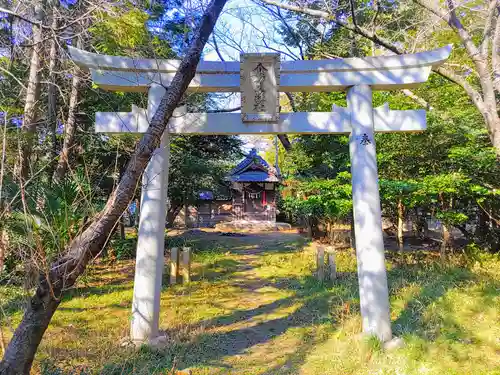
column 329, row 252
column 320, row 262
column 186, row 265
column 174, row 265
column 332, row 267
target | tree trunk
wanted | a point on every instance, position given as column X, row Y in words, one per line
column 137, row 212
column 353, row 236
column 329, row 232
column 309, row 228
column 52, row 94
column 70, row 126
column 64, row 272
column 401, row 211
column 28, row 126
column 482, row 227
column 425, row 226
column 493, row 122
column 122, row 228
column 172, row 213
column 446, row 239
column 186, row 213
column 21, row 350
column 285, row 141
column 3, row 248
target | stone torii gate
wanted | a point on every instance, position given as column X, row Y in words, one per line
column 260, row 78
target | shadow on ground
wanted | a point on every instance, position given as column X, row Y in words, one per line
column 313, row 311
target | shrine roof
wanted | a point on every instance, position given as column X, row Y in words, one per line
column 253, row 169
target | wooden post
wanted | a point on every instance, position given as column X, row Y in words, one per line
column 320, row 262
column 332, row 267
column 186, row 265
column 174, row 265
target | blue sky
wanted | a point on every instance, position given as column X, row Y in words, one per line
column 242, row 26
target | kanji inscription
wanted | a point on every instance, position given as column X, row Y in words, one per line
column 259, row 75
column 365, row 140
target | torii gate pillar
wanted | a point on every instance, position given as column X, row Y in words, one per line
column 373, row 290
column 151, row 237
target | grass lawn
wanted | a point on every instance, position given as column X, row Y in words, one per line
column 255, row 308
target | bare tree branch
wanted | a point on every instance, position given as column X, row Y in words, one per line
column 291, row 100
column 488, row 27
column 417, row 99
column 14, row 14
column 292, row 33
column 224, row 110
column 473, row 94
column 46, row 27
column 446, row 73
column 495, row 58
column 452, row 19
column 216, row 47
column 353, row 13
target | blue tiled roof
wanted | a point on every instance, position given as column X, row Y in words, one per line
column 253, row 169
column 253, row 176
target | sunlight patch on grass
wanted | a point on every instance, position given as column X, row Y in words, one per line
column 255, row 307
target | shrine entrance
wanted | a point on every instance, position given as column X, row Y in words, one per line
column 260, row 78
column 254, row 184
column 255, row 201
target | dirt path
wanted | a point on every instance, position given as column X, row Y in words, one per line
column 258, row 305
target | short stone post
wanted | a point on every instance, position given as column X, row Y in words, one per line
column 186, row 265
column 373, row 290
column 174, row 265
column 320, row 262
column 332, row 267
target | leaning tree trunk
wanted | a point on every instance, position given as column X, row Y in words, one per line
column 63, row 273
column 488, row 106
column 28, row 127
column 285, row 141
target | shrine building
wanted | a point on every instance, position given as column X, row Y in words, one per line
column 252, row 194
